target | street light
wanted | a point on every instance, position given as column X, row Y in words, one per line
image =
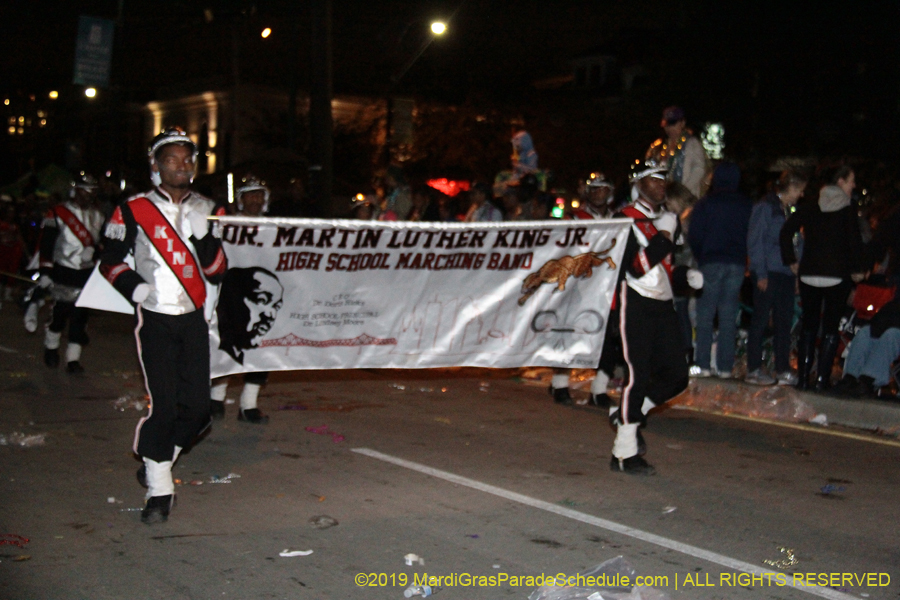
column 54, row 95
column 266, row 32
column 90, row 92
column 438, row 28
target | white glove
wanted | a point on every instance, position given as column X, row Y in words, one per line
column 666, row 222
column 695, row 279
column 141, row 292
column 44, row 282
column 87, row 255
column 199, row 225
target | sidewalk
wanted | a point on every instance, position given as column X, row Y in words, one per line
column 773, row 403
column 873, row 415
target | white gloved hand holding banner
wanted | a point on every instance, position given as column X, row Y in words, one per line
column 199, row 224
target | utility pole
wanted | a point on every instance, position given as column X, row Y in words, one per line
column 293, row 84
column 234, row 116
column 321, row 143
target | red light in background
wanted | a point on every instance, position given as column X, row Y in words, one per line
column 449, row 186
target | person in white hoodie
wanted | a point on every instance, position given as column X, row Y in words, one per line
column 832, row 260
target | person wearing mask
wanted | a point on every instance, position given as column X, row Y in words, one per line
column 774, row 283
column 718, row 239
column 831, row 261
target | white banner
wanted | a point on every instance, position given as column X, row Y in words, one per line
column 339, row 294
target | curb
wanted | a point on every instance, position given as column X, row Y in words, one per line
column 873, row 415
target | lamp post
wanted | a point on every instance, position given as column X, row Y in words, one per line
column 437, row 28
column 321, row 140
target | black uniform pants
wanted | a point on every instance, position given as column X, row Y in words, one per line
column 259, row 378
column 651, row 344
column 77, row 318
column 611, row 353
column 174, row 354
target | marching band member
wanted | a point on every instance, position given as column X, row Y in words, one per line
column 252, row 201
column 650, row 331
column 598, row 200
column 70, row 232
column 175, row 250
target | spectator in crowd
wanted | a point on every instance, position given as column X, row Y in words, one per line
column 524, row 158
column 512, row 205
column 481, row 209
column 832, row 257
column 450, row 209
column 774, row 282
column 873, row 349
column 531, row 200
column 424, row 205
column 541, row 206
column 397, row 200
column 522, row 199
column 365, row 208
column 718, row 239
column 680, row 151
column 680, row 201
column 885, row 245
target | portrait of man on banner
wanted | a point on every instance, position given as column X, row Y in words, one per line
column 249, row 301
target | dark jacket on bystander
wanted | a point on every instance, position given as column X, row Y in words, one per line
column 719, row 221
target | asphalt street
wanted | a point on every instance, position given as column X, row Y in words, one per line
column 471, row 470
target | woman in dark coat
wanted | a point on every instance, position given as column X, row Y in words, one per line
column 832, row 260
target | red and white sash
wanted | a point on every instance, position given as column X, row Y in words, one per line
column 646, row 226
column 169, row 244
column 75, row 226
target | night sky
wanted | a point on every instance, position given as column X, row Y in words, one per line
column 784, row 77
